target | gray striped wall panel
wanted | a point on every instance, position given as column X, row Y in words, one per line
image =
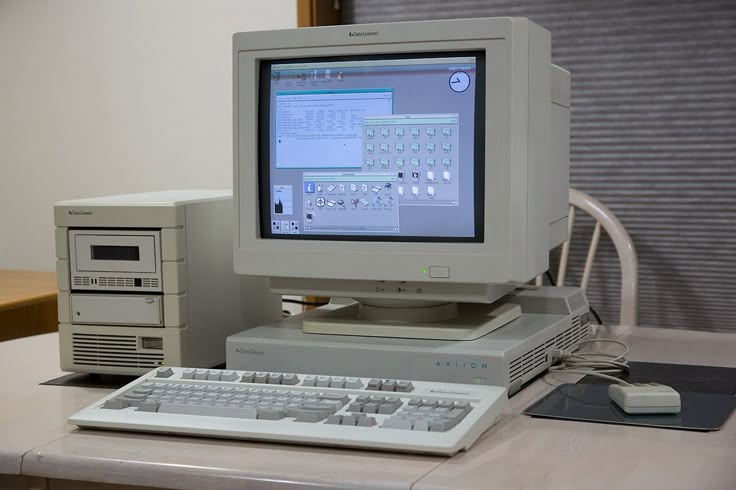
column 653, row 136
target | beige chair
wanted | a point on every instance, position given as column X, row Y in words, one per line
column 605, row 219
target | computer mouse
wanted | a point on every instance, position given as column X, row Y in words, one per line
column 645, row 398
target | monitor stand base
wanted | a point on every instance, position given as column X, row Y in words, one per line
column 473, row 321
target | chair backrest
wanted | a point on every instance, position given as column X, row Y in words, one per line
column 605, row 219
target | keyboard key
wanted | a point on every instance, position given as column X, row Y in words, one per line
column 364, row 421
column 386, row 408
column 216, row 411
column 370, row 408
column 228, row 376
column 270, row 414
column 440, row 425
column 201, row 373
column 248, row 377
column 164, row 372
column 335, row 397
column 353, row 383
column 310, row 380
column 355, row 407
column 261, row 378
column 115, row 404
column 213, row 375
column 404, row 386
column 397, row 423
column 290, row 379
column 275, row 378
column 388, row 385
column 350, row 420
column 188, row 374
column 374, row 384
column 311, row 416
column 323, row 381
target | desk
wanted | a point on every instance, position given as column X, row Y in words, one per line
column 43, row 451
column 27, row 303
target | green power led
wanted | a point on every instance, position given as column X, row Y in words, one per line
column 424, row 271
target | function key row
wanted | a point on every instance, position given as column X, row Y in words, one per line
column 270, row 378
column 390, row 385
column 374, row 384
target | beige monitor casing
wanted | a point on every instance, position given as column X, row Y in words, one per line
column 527, row 102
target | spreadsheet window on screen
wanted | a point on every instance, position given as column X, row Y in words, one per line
column 372, row 148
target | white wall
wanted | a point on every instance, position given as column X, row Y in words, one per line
column 113, row 97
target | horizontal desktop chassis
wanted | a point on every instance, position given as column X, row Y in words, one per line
column 552, row 318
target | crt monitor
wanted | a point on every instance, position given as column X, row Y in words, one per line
column 420, row 168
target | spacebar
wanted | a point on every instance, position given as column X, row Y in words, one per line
column 212, row 411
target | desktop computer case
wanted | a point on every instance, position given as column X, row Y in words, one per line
column 552, row 318
column 199, row 303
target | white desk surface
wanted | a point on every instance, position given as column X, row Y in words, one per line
column 518, row 452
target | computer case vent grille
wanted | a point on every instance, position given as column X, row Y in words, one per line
column 535, row 360
column 115, row 281
column 112, row 350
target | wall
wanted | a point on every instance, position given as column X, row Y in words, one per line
column 653, row 136
column 114, row 97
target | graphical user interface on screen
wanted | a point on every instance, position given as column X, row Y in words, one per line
column 372, row 149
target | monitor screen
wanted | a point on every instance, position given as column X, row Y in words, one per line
column 372, row 148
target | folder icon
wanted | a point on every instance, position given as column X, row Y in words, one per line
column 446, row 147
column 447, row 131
column 446, row 162
column 430, row 162
column 430, row 132
column 399, row 132
column 415, row 132
column 370, row 132
column 415, row 162
column 399, row 162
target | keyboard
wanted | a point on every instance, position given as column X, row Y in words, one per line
column 382, row 414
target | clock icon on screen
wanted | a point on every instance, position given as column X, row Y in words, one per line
column 459, row 81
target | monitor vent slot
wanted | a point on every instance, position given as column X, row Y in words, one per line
column 112, row 350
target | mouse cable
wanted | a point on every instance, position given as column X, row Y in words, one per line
column 598, row 364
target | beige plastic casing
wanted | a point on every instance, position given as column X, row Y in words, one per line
column 526, row 167
column 202, row 299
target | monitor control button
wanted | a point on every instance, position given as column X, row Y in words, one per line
column 439, row 271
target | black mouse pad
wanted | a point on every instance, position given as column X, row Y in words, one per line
column 681, row 377
column 590, row 403
column 89, row 380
